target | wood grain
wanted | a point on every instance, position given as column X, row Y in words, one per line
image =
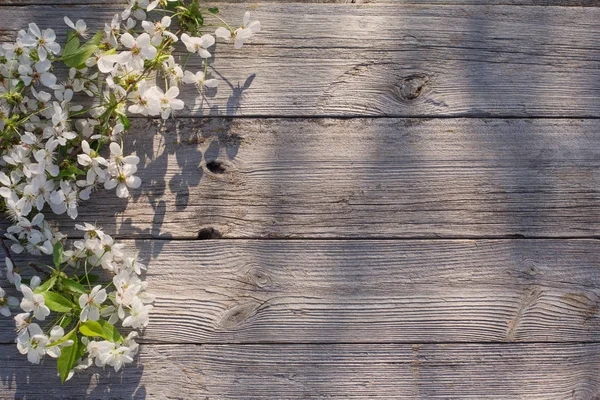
column 370, row 291
column 337, row 178
column 382, row 59
column 350, row 3
column 389, row 371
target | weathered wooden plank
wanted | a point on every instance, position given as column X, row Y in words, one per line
column 371, row 291
column 332, row 178
column 384, row 59
column 460, row 371
column 546, row 3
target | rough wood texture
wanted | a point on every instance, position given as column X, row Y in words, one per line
column 364, row 319
column 564, row 3
column 389, row 60
column 371, row 291
column 359, row 178
column 459, row 371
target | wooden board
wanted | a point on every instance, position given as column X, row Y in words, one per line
column 370, row 291
column 546, row 3
column 329, row 178
column 392, row 371
column 389, row 60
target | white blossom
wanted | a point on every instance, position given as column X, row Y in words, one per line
column 198, row 44
column 43, row 41
column 80, row 26
column 140, row 49
column 34, row 302
column 90, row 302
column 33, row 343
column 199, row 79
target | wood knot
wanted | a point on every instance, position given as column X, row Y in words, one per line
column 411, row 87
column 238, row 314
column 216, row 167
column 209, row 233
column 258, row 277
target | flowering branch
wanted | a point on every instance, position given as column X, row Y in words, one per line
column 54, row 153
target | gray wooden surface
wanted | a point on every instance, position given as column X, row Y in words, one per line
column 402, row 253
column 386, row 59
column 341, row 178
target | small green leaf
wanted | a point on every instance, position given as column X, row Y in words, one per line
column 73, row 286
column 80, row 56
column 91, row 329
column 124, row 121
column 57, row 254
column 101, row 328
column 72, row 44
column 44, row 287
column 110, row 332
column 213, row 10
column 66, row 322
column 171, row 5
column 57, row 303
column 68, row 356
column 72, row 171
column 76, row 56
column 96, row 39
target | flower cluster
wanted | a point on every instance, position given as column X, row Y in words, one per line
column 60, row 141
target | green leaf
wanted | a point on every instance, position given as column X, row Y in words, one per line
column 57, row 254
column 213, row 10
column 58, row 303
column 101, row 328
column 171, row 5
column 73, row 286
column 195, row 12
column 44, row 287
column 96, row 39
column 124, row 121
column 80, row 56
column 71, row 171
column 66, row 322
column 77, row 56
column 110, row 332
column 68, row 356
column 91, row 329
column 72, row 44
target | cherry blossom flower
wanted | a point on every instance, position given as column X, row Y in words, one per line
column 242, row 34
column 198, row 44
column 33, row 342
column 43, row 41
column 199, row 79
column 34, row 302
column 90, row 302
column 168, row 101
column 80, row 27
column 6, row 302
column 140, row 49
column 158, row 30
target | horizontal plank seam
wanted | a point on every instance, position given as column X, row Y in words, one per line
column 388, row 116
column 361, row 5
column 371, row 238
column 248, row 344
